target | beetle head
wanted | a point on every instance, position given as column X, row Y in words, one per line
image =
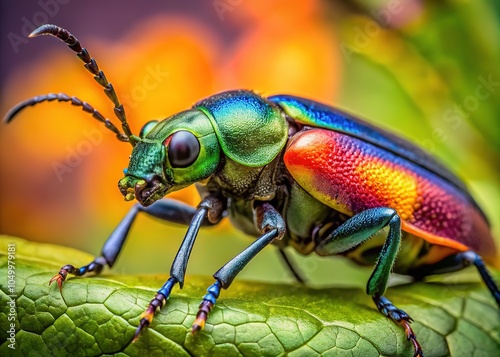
column 171, row 155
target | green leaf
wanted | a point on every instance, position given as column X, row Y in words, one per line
column 99, row 315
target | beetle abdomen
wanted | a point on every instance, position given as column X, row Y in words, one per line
column 351, row 176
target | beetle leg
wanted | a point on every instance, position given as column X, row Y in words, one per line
column 460, row 261
column 357, row 230
column 272, row 225
column 293, row 269
column 387, row 308
column 167, row 209
column 210, row 208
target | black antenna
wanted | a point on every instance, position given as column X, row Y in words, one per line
column 61, row 97
column 92, row 67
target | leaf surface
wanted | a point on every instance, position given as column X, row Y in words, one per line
column 99, row 315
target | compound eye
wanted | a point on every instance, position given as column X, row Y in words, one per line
column 146, row 128
column 183, row 148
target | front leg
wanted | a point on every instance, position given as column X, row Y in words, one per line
column 211, row 208
column 167, row 209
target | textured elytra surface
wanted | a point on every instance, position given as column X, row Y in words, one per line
column 352, row 176
column 96, row 316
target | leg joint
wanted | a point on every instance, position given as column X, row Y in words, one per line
column 469, row 258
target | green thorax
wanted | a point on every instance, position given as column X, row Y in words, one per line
column 239, row 134
column 251, row 130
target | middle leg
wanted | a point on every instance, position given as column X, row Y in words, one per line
column 271, row 224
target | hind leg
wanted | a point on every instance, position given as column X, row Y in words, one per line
column 460, row 261
column 359, row 229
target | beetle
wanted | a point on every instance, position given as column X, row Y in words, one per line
column 291, row 172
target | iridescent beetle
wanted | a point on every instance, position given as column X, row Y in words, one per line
column 292, row 172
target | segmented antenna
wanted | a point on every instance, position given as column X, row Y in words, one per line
column 92, row 67
column 61, row 97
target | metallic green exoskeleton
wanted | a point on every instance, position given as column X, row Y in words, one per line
column 245, row 130
column 292, row 172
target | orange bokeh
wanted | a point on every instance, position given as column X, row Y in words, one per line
column 161, row 60
column 161, row 66
column 290, row 51
column 299, row 61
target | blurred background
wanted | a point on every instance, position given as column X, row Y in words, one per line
column 428, row 70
